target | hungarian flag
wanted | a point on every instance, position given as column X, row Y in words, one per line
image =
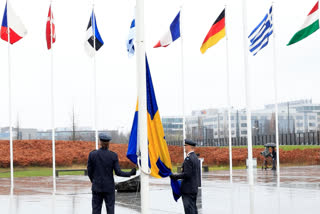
column 50, row 21
column 216, row 32
column 311, row 25
column 15, row 26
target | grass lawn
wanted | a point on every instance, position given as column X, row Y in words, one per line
column 40, row 171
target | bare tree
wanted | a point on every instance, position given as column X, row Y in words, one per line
column 19, row 137
column 73, row 136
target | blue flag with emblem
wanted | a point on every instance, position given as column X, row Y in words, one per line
column 159, row 157
column 259, row 37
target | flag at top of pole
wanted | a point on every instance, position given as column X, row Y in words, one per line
column 93, row 39
column 48, row 29
column 131, row 37
column 259, row 37
column 310, row 25
column 216, row 32
column 17, row 29
column 171, row 35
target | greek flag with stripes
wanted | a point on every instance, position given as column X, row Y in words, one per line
column 259, row 37
column 131, row 37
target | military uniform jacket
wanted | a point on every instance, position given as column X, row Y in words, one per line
column 101, row 164
column 190, row 174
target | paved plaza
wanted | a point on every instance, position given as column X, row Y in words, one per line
column 298, row 192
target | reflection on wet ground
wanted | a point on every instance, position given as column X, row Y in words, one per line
column 299, row 192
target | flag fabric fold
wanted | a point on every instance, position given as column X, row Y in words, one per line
column 171, row 35
column 159, row 157
column 310, row 25
column 93, row 39
column 216, row 32
column 259, row 37
column 50, row 20
column 130, row 40
column 17, row 29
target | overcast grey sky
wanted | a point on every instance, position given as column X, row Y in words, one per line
column 205, row 75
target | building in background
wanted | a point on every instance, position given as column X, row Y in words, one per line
column 298, row 116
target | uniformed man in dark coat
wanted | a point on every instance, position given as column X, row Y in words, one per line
column 190, row 178
column 101, row 164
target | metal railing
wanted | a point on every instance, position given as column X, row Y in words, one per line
column 306, row 138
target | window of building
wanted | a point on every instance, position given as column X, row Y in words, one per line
column 312, row 124
column 312, row 117
column 299, row 124
column 243, row 125
column 243, row 117
column 243, row 132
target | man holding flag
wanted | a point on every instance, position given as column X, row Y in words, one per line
column 190, row 179
column 101, row 164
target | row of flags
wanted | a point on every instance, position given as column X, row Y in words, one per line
column 17, row 30
column 259, row 37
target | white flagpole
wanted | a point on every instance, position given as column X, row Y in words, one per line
column 182, row 87
column 93, row 24
column 275, row 82
column 10, row 104
column 142, row 117
column 228, row 95
column 52, row 106
column 247, row 89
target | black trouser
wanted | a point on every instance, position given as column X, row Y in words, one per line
column 274, row 163
column 190, row 203
column 97, row 199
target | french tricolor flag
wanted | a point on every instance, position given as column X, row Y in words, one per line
column 17, row 29
column 172, row 34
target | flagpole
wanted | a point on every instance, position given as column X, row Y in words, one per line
column 182, row 87
column 142, row 116
column 275, row 82
column 93, row 24
column 10, row 105
column 247, row 89
column 52, row 106
column 228, row 95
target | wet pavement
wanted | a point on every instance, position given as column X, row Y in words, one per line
column 298, row 192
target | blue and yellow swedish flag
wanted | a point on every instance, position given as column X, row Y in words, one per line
column 159, row 157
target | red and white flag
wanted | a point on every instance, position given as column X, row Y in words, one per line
column 50, row 21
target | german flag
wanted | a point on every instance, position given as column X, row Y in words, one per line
column 216, row 32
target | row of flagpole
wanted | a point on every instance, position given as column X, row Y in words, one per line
column 142, row 94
